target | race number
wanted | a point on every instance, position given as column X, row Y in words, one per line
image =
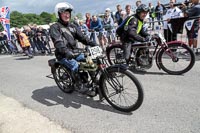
column 95, row 51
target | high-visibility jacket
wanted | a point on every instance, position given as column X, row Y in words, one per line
column 133, row 30
column 24, row 41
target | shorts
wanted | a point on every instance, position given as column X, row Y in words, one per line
column 193, row 33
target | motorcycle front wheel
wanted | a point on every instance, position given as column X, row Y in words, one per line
column 121, row 89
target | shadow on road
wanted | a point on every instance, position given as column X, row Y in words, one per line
column 23, row 58
column 143, row 72
column 51, row 96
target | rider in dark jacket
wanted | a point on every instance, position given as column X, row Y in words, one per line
column 134, row 30
column 64, row 35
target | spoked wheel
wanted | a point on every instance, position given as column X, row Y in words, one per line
column 115, row 55
column 178, row 59
column 122, row 90
column 63, row 79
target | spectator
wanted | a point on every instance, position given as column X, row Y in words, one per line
column 138, row 3
column 122, row 16
column 172, row 12
column 118, row 14
column 108, row 25
column 76, row 21
column 151, row 16
column 128, row 11
column 88, row 20
column 13, row 40
column 96, row 26
column 30, row 34
column 110, row 13
column 83, row 27
column 35, row 41
column 3, row 42
column 192, row 34
column 160, row 9
column 24, row 42
column 41, row 36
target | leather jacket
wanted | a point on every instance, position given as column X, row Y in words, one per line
column 64, row 37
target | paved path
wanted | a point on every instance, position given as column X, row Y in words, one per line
column 171, row 103
column 16, row 118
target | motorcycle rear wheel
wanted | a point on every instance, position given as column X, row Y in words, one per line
column 63, row 78
column 183, row 62
column 115, row 55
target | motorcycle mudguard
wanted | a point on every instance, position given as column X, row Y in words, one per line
column 113, row 45
column 120, row 66
column 168, row 43
column 53, row 63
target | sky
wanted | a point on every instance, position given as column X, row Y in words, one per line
column 80, row 6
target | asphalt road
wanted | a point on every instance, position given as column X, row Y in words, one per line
column 171, row 103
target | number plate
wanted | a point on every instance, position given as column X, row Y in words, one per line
column 95, row 52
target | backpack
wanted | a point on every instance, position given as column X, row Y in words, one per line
column 123, row 26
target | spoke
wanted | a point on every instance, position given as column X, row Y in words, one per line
column 125, row 100
column 128, row 94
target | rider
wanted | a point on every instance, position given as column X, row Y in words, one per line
column 134, row 30
column 64, row 35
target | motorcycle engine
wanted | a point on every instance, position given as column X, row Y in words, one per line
column 84, row 77
column 144, row 58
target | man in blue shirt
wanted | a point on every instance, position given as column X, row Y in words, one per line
column 96, row 26
column 160, row 9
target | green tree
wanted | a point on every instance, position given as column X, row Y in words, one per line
column 46, row 18
column 79, row 15
column 18, row 19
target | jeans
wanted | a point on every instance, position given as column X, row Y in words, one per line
column 160, row 18
column 72, row 64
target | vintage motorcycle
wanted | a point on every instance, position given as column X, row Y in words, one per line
column 115, row 83
column 173, row 57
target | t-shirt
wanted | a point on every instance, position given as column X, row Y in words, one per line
column 160, row 9
column 194, row 11
column 170, row 14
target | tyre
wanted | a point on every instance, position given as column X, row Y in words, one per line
column 115, row 54
column 63, row 78
column 121, row 89
column 177, row 60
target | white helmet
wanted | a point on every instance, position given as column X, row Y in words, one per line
column 63, row 6
column 107, row 9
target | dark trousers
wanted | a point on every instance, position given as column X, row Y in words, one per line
column 127, row 51
column 169, row 36
column 160, row 18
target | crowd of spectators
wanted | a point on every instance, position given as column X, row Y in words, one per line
column 101, row 28
column 37, row 37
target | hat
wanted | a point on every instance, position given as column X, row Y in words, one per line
column 107, row 9
column 123, row 12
